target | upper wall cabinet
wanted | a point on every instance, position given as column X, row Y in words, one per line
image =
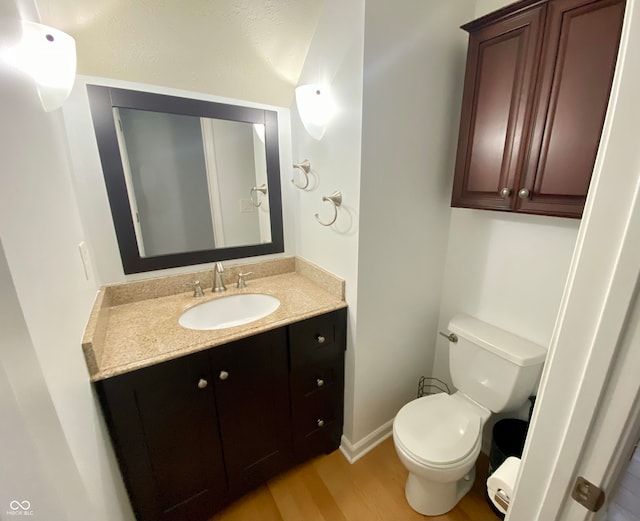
column 537, row 85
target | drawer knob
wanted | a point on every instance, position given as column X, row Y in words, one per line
column 505, row 192
column 320, row 423
column 223, row 375
column 321, row 339
column 523, row 194
column 202, row 383
column 320, row 382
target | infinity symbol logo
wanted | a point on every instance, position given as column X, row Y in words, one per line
column 17, row 505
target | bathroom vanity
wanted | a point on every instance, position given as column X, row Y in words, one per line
column 198, row 423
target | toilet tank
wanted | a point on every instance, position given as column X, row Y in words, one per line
column 493, row 367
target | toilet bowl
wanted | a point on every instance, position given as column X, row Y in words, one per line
column 438, row 437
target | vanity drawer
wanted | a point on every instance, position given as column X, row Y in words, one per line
column 317, row 378
column 317, row 338
column 317, row 411
column 317, row 425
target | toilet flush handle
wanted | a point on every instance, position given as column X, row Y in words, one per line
column 451, row 337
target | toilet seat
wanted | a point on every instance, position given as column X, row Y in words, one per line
column 437, row 430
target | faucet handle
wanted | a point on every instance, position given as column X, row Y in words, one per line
column 197, row 289
column 241, row 276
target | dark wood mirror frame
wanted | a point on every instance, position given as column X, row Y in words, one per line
column 102, row 100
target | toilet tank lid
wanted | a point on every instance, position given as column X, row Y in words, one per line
column 503, row 343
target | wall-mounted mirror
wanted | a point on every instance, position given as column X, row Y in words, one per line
column 189, row 181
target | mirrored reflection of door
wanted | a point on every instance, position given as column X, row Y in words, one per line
column 233, row 147
column 189, row 181
column 260, row 158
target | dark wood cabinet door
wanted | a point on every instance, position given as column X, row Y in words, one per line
column 252, row 397
column 163, row 424
column 502, row 63
column 578, row 63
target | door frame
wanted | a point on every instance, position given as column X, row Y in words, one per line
column 616, row 427
column 587, row 344
column 213, row 182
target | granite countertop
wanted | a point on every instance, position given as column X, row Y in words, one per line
column 125, row 333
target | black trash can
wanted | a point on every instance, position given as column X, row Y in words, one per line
column 508, row 440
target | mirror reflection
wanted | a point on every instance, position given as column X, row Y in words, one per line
column 190, row 181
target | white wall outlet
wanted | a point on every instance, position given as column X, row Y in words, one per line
column 246, row 206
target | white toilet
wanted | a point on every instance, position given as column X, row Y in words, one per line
column 438, row 437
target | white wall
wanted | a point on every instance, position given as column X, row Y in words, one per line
column 34, row 452
column 335, row 57
column 40, row 229
column 487, row 6
column 413, row 76
column 395, row 72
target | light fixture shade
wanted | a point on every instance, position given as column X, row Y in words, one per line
column 48, row 55
column 315, row 108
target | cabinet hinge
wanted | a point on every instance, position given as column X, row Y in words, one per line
column 587, row 494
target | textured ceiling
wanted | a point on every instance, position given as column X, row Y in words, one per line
column 246, row 49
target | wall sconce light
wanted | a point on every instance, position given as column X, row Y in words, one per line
column 315, row 107
column 48, row 55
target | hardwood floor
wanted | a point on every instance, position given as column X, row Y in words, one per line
column 328, row 488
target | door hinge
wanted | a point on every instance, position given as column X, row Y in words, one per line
column 587, row 494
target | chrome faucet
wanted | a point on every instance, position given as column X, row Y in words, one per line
column 218, row 283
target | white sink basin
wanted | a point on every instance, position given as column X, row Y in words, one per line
column 230, row 311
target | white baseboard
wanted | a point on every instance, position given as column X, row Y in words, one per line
column 353, row 452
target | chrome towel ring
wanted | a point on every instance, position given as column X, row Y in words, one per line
column 336, row 200
column 305, row 167
column 257, row 202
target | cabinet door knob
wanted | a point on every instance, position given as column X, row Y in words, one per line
column 202, row 383
column 505, row 192
column 523, row 194
column 319, row 382
column 320, row 339
column 223, row 375
column 320, row 423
